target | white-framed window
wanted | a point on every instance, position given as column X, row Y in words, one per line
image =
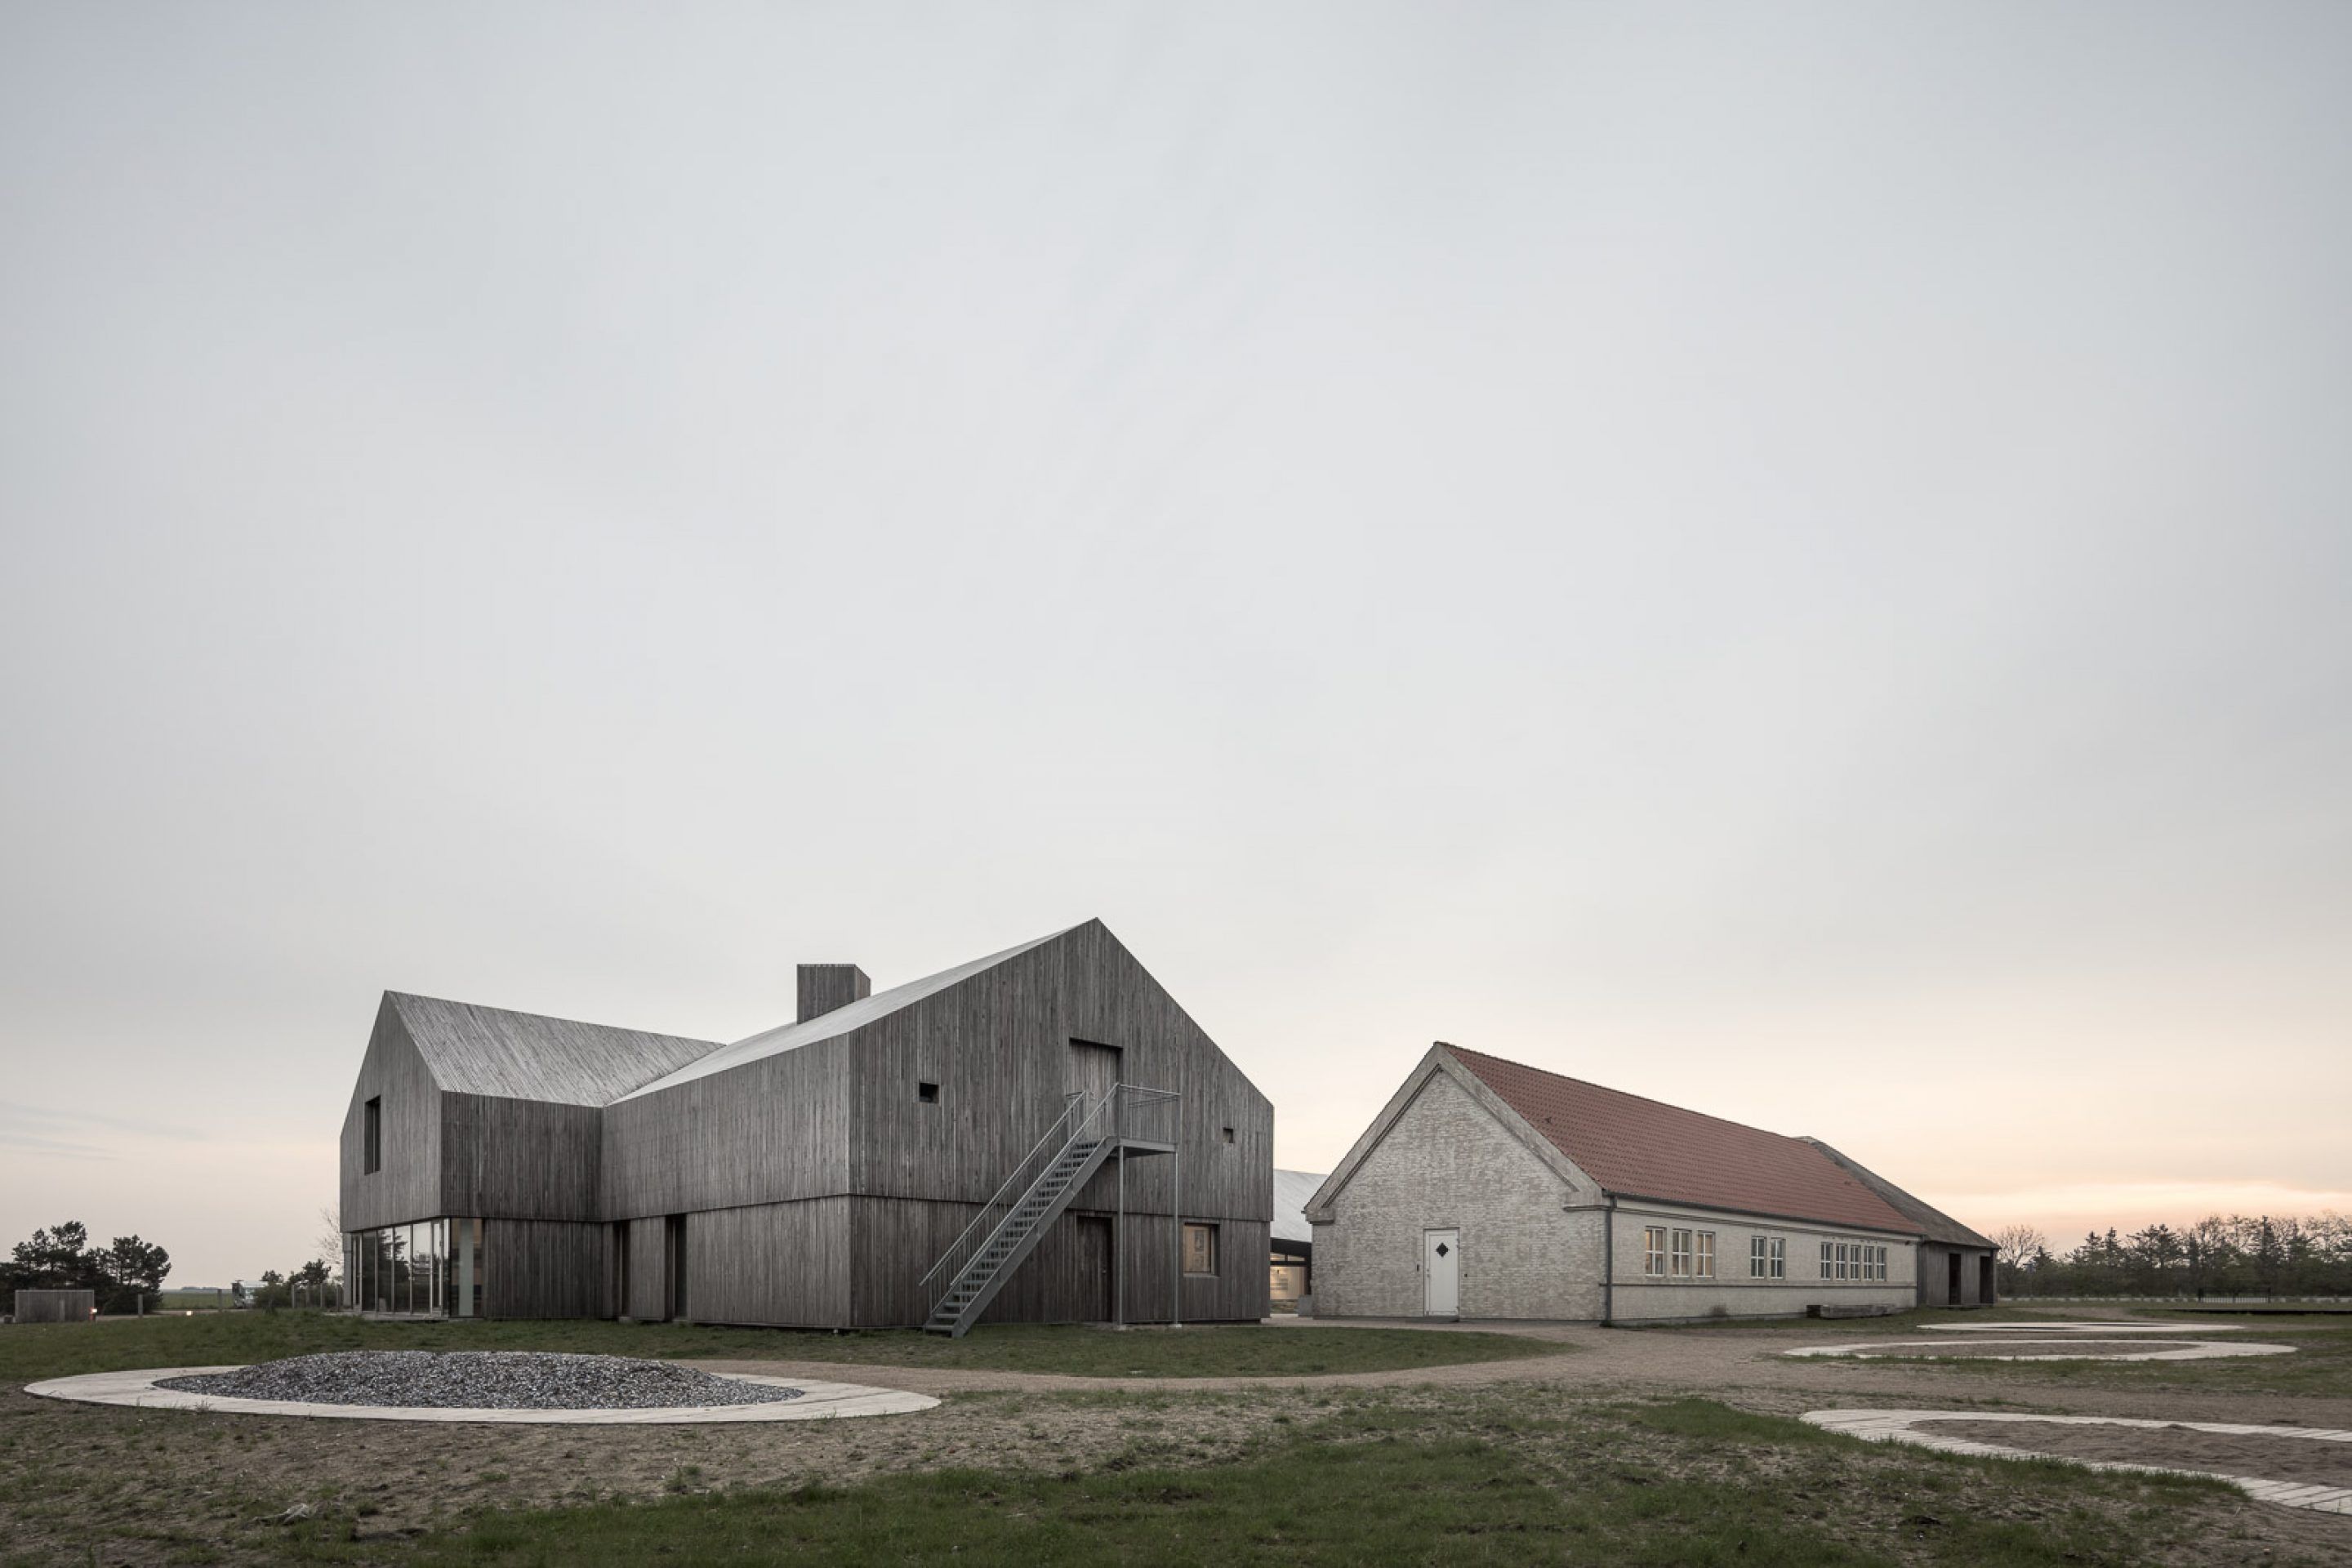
column 1759, row 1256
column 1882, row 1263
column 1845, row 1260
column 1653, row 1251
column 1706, row 1255
column 1682, row 1254
column 1829, row 1251
column 1779, row 1257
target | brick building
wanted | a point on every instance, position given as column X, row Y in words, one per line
column 1488, row 1189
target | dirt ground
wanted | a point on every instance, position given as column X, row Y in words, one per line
column 2260, row 1458
column 164, row 1482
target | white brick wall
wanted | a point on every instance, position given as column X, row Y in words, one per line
column 1638, row 1297
column 1447, row 1164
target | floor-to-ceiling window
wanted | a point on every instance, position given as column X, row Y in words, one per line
column 431, row 1269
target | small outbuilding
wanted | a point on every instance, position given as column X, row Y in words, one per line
column 1955, row 1264
column 56, row 1306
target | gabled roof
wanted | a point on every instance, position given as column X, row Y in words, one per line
column 1636, row 1147
column 522, row 1056
column 840, row 1021
column 1938, row 1224
column 1291, row 1191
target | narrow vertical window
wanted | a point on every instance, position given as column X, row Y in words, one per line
column 1780, row 1259
column 373, row 1139
column 1682, row 1254
column 1200, row 1249
column 1653, row 1250
column 1707, row 1255
column 1756, row 1256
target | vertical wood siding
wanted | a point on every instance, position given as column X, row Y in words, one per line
column 543, row 1268
column 818, row 1186
column 771, row 1131
column 520, row 1159
column 408, row 1187
column 783, row 1264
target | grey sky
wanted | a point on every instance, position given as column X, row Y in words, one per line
column 1791, row 559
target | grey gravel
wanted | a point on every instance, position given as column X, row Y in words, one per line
column 479, row 1380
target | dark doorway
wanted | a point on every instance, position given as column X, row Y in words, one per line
column 674, row 1293
column 1952, row 1290
column 1090, row 1264
column 1984, row 1280
column 621, row 1268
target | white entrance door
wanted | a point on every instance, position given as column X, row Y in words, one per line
column 1441, row 1265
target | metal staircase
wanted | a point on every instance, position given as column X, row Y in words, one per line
column 1008, row 1228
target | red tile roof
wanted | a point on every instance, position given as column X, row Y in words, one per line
column 1641, row 1148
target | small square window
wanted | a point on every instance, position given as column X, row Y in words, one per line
column 1229, row 1134
column 929, row 1093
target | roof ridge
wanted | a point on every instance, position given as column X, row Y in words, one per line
column 550, row 1017
column 1627, row 1093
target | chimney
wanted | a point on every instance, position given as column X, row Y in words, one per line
column 824, row 986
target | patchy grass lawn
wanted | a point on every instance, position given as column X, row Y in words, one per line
column 1442, row 1476
column 31, row 1352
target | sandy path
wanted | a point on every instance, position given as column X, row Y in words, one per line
column 1744, row 1368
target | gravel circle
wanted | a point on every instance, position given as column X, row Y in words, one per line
column 479, row 1380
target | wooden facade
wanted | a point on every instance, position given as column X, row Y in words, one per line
column 811, row 1176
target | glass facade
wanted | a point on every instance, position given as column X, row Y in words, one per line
column 433, row 1267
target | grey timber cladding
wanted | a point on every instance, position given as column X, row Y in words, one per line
column 814, row 1182
column 521, row 1056
column 521, row 1159
column 56, row 1306
column 408, row 1187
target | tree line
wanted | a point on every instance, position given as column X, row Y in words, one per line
column 125, row 1275
column 2220, row 1255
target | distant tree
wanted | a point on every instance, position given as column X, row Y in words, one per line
column 133, row 1271
column 2017, row 1245
column 55, row 1259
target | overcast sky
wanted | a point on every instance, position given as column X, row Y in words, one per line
column 1791, row 559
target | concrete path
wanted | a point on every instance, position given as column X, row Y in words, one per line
column 1900, row 1427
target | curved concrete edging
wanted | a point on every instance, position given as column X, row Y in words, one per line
column 2043, row 1350
column 818, row 1402
column 1897, row 1426
column 2095, row 1328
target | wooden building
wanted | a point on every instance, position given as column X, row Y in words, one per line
column 1040, row 1135
column 56, row 1306
column 1291, row 1267
column 1490, row 1189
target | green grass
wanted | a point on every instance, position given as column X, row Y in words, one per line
column 30, row 1352
column 1676, row 1484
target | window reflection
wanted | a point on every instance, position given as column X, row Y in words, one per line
column 433, row 1268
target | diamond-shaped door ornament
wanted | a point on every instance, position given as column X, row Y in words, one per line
column 1443, row 1249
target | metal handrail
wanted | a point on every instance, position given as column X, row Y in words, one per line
column 1114, row 1100
column 1069, row 1104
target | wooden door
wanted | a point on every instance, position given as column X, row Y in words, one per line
column 1441, row 1267
column 1090, row 1281
column 1094, row 1069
